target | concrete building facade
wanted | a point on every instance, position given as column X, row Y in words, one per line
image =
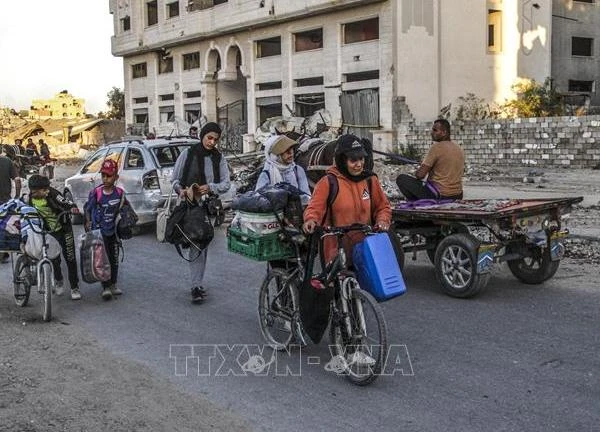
column 576, row 50
column 62, row 106
column 371, row 64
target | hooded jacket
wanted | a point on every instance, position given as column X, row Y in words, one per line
column 351, row 205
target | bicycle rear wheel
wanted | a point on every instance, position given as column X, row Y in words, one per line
column 46, row 283
column 22, row 281
column 364, row 348
column 277, row 306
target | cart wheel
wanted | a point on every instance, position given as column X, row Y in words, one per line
column 535, row 268
column 456, row 266
column 397, row 247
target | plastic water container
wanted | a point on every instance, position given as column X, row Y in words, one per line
column 377, row 269
column 257, row 223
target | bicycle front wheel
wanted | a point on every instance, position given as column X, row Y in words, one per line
column 277, row 306
column 46, row 283
column 361, row 339
column 22, row 281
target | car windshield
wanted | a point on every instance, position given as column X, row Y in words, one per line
column 168, row 154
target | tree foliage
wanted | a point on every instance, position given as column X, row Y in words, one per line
column 116, row 104
column 534, row 100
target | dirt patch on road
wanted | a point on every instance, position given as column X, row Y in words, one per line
column 54, row 377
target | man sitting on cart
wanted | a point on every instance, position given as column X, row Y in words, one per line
column 443, row 166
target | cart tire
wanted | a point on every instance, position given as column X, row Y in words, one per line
column 456, row 266
column 535, row 269
column 398, row 250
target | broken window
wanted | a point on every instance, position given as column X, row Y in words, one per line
column 308, row 40
column 140, row 116
column 268, row 47
column 494, row 31
column 268, row 107
column 192, row 94
column 361, row 31
column 305, row 82
column 582, row 46
column 194, row 5
column 151, row 13
column 139, row 70
column 139, row 100
column 192, row 112
column 191, row 61
column 173, row 9
column 305, row 105
column 362, row 76
column 581, row 86
column 166, row 114
column 166, row 97
column 165, row 64
column 268, row 85
column 125, row 24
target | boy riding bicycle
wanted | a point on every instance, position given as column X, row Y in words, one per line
column 50, row 203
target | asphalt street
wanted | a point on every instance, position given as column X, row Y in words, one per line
column 515, row 358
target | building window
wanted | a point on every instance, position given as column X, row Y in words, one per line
column 307, row 104
column 140, row 116
column 581, row 86
column 165, row 64
column 268, row 85
column 581, row 46
column 172, row 9
column 139, row 70
column 125, row 24
column 361, row 31
column 194, row 5
column 140, row 100
column 192, row 112
column 166, row 97
column 494, row 31
column 192, row 94
column 151, row 13
column 308, row 40
column 268, row 47
column 191, row 61
column 268, row 107
column 362, row 76
column 166, row 114
column 305, row 82
column 585, row 1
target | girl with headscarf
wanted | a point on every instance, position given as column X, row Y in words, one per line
column 201, row 165
column 280, row 166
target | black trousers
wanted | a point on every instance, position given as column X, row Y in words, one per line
column 67, row 245
column 414, row 189
column 112, row 244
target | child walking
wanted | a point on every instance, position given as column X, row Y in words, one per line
column 50, row 204
column 101, row 211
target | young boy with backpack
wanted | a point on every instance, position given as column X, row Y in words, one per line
column 49, row 203
column 101, row 210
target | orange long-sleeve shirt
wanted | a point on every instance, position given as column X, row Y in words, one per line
column 352, row 205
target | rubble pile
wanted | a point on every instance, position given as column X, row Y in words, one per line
column 585, row 250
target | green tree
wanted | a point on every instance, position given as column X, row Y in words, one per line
column 534, row 100
column 116, row 104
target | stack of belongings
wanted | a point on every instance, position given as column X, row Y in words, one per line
column 10, row 225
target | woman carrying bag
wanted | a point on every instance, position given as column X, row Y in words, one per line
column 198, row 171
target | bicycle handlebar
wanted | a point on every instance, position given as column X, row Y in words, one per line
column 37, row 215
column 338, row 230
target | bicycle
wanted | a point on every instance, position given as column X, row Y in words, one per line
column 30, row 271
column 357, row 326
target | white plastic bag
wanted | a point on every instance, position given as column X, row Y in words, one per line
column 35, row 244
column 162, row 215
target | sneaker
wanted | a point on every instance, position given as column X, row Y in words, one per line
column 198, row 294
column 115, row 291
column 59, row 287
column 75, row 294
column 106, row 294
column 359, row 358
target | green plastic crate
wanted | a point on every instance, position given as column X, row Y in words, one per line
column 259, row 247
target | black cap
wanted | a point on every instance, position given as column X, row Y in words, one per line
column 37, row 181
column 350, row 146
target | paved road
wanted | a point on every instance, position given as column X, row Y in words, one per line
column 515, row 358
